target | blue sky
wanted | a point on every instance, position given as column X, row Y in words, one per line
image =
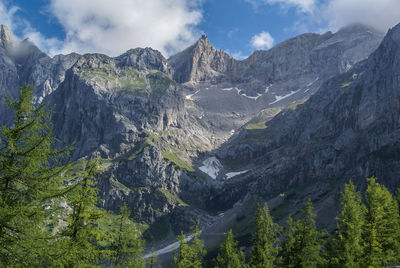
column 236, row 26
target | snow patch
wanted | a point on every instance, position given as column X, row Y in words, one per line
column 310, row 84
column 279, row 98
column 167, row 249
column 232, row 131
column 211, row 166
column 227, row 89
column 267, row 88
column 238, row 90
column 190, row 97
column 250, row 97
column 233, row 174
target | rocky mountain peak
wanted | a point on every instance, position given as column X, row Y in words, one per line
column 203, row 44
column 144, row 59
column 6, row 36
column 358, row 28
column 387, row 57
column 200, row 62
column 394, row 34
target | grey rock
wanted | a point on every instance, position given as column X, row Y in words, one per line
column 348, row 130
column 152, row 121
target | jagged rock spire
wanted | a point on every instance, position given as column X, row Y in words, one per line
column 200, row 62
column 6, row 36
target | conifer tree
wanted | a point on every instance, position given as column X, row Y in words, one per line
column 397, row 196
column 127, row 245
column 197, row 245
column 307, row 243
column 381, row 229
column 184, row 254
column 287, row 249
column 264, row 251
column 78, row 242
column 347, row 244
column 192, row 255
column 230, row 256
column 30, row 177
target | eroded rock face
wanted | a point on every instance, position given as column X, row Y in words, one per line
column 130, row 113
column 144, row 59
column 228, row 93
column 151, row 132
column 323, row 55
column 348, row 130
column 22, row 62
column 200, row 62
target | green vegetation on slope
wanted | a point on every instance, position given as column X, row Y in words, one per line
column 172, row 197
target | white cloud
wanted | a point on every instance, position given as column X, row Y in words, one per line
column 10, row 18
column 380, row 14
column 263, row 40
column 7, row 14
column 305, row 6
column 322, row 15
column 113, row 27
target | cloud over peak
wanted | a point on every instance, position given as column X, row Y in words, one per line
column 381, row 14
column 112, row 27
column 263, row 40
column 334, row 14
column 305, row 6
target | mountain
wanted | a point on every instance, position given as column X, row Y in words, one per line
column 348, row 130
column 200, row 62
column 129, row 112
column 202, row 134
column 228, row 92
column 22, row 62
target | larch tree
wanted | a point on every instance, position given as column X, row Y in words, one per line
column 184, row 255
column 30, row 178
column 230, row 255
column 127, row 245
column 348, row 243
column 286, row 258
column 381, row 229
column 265, row 250
column 190, row 254
column 307, row 242
column 78, row 242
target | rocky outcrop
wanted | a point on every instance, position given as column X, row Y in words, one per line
column 22, row 62
column 144, row 59
column 348, row 130
column 131, row 112
column 6, row 37
column 227, row 93
column 128, row 112
column 200, row 62
column 104, row 104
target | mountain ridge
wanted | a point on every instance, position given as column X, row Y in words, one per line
column 154, row 134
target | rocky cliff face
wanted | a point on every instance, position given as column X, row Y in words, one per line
column 348, row 130
column 227, row 92
column 127, row 111
column 22, row 62
column 156, row 124
column 201, row 62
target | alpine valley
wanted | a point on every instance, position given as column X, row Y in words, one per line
column 202, row 135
